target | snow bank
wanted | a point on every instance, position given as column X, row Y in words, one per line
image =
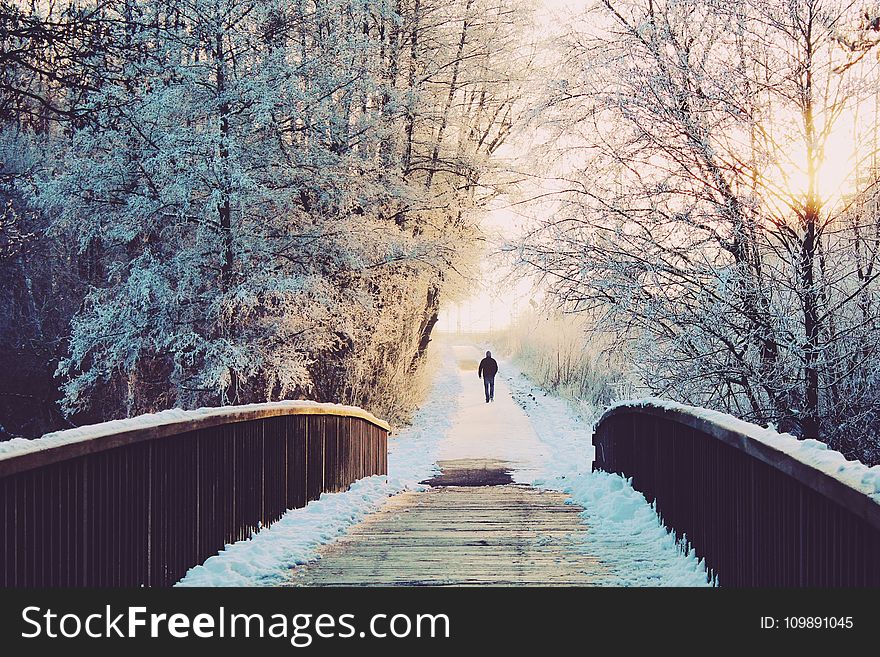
column 266, row 557
column 623, row 530
column 18, row 446
column 813, row 453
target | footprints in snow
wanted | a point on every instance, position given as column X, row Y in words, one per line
column 523, row 399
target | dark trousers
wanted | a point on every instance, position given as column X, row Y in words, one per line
column 489, row 385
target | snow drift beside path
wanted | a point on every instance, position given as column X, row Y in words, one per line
column 813, row 453
column 624, row 532
column 266, row 557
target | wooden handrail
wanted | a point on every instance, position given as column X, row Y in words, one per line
column 138, row 502
column 746, row 437
column 91, row 439
column 751, row 502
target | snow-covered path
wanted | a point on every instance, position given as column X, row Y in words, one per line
column 535, row 437
column 499, row 431
column 623, row 530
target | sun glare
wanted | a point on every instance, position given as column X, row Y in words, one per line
column 837, row 170
column 835, row 176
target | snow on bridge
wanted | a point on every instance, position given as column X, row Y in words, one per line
column 476, row 494
column 471, row 493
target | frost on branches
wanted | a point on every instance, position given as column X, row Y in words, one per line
column 721, row 220
column 267, row 199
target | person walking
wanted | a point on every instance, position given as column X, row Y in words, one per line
column 487, row 371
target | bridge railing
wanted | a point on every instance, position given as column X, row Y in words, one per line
column 760, row 508
column 138, row 502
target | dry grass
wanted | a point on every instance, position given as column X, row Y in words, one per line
column 560, row 354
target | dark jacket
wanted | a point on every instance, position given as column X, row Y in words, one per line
column 489, row 367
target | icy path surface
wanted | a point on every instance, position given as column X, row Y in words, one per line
column 544, row 441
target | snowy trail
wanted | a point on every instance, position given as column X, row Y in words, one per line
column 624, row 532
column 542, row 443
column 499, row 430
column 549, row 446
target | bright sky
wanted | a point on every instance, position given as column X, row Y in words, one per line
column 500, row 298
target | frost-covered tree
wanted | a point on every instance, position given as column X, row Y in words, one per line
column 267, row 199
column 710, row 223
column 220, row 182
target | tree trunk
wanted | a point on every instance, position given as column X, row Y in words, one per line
column 810, row 420
column 429, row 320
column 224, row 207
column 410, row 122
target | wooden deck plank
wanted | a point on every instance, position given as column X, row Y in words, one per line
column 469, row 535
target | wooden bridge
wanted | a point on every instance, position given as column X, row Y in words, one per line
column 139, row 502
column 472, row 527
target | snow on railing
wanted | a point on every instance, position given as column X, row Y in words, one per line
column 762, row 508
column 173, row 421
column 812, row 453
column 138, row 502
